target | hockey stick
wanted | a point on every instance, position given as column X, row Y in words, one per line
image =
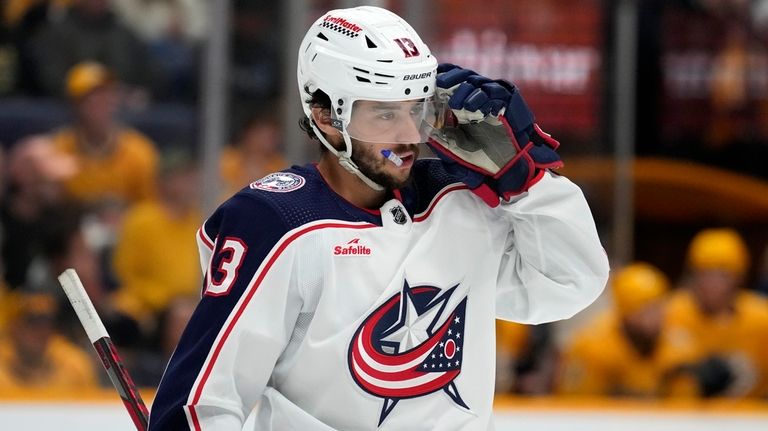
column 104, row 346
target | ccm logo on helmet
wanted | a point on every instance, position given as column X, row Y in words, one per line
column 417, row 76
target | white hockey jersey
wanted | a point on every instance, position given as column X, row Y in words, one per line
column 326, row 316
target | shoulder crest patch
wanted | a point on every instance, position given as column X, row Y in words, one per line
column 280, row 182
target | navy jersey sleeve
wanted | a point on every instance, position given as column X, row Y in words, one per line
column 245, row 314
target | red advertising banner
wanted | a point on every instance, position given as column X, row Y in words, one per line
column 551, row 49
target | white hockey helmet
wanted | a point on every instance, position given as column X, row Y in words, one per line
column 366, row 54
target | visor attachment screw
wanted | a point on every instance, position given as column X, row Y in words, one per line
column 407, row 91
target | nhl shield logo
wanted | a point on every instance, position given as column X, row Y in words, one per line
column 281, row 182
column 398, row 215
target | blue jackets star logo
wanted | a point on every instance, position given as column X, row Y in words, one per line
column 410, row 346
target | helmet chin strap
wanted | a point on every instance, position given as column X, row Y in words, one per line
column 345, row 157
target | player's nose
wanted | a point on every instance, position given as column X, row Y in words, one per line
column 408, row 132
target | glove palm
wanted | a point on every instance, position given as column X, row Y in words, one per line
column 483, row 133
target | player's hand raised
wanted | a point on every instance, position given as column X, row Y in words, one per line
column 489, row 137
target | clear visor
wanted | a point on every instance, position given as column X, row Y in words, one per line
column 395, row 122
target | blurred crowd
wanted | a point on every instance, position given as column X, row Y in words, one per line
column 100, row 196
column 155, row 47
column 43, row 39
column 702, row 336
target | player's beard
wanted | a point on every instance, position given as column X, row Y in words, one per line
column 373, row 165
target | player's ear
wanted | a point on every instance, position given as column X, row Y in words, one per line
column 322, row 118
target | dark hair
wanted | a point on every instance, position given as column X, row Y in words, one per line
column 318, row 99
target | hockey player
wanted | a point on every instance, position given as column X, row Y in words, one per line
column 360, row 292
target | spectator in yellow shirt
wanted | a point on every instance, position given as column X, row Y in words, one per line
column 156, row 256
column 255, row 153
column 624, row 351
column 526, row 358
column 115, row 163
column 725, row 325
column 511, row 342
column 33, row 356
